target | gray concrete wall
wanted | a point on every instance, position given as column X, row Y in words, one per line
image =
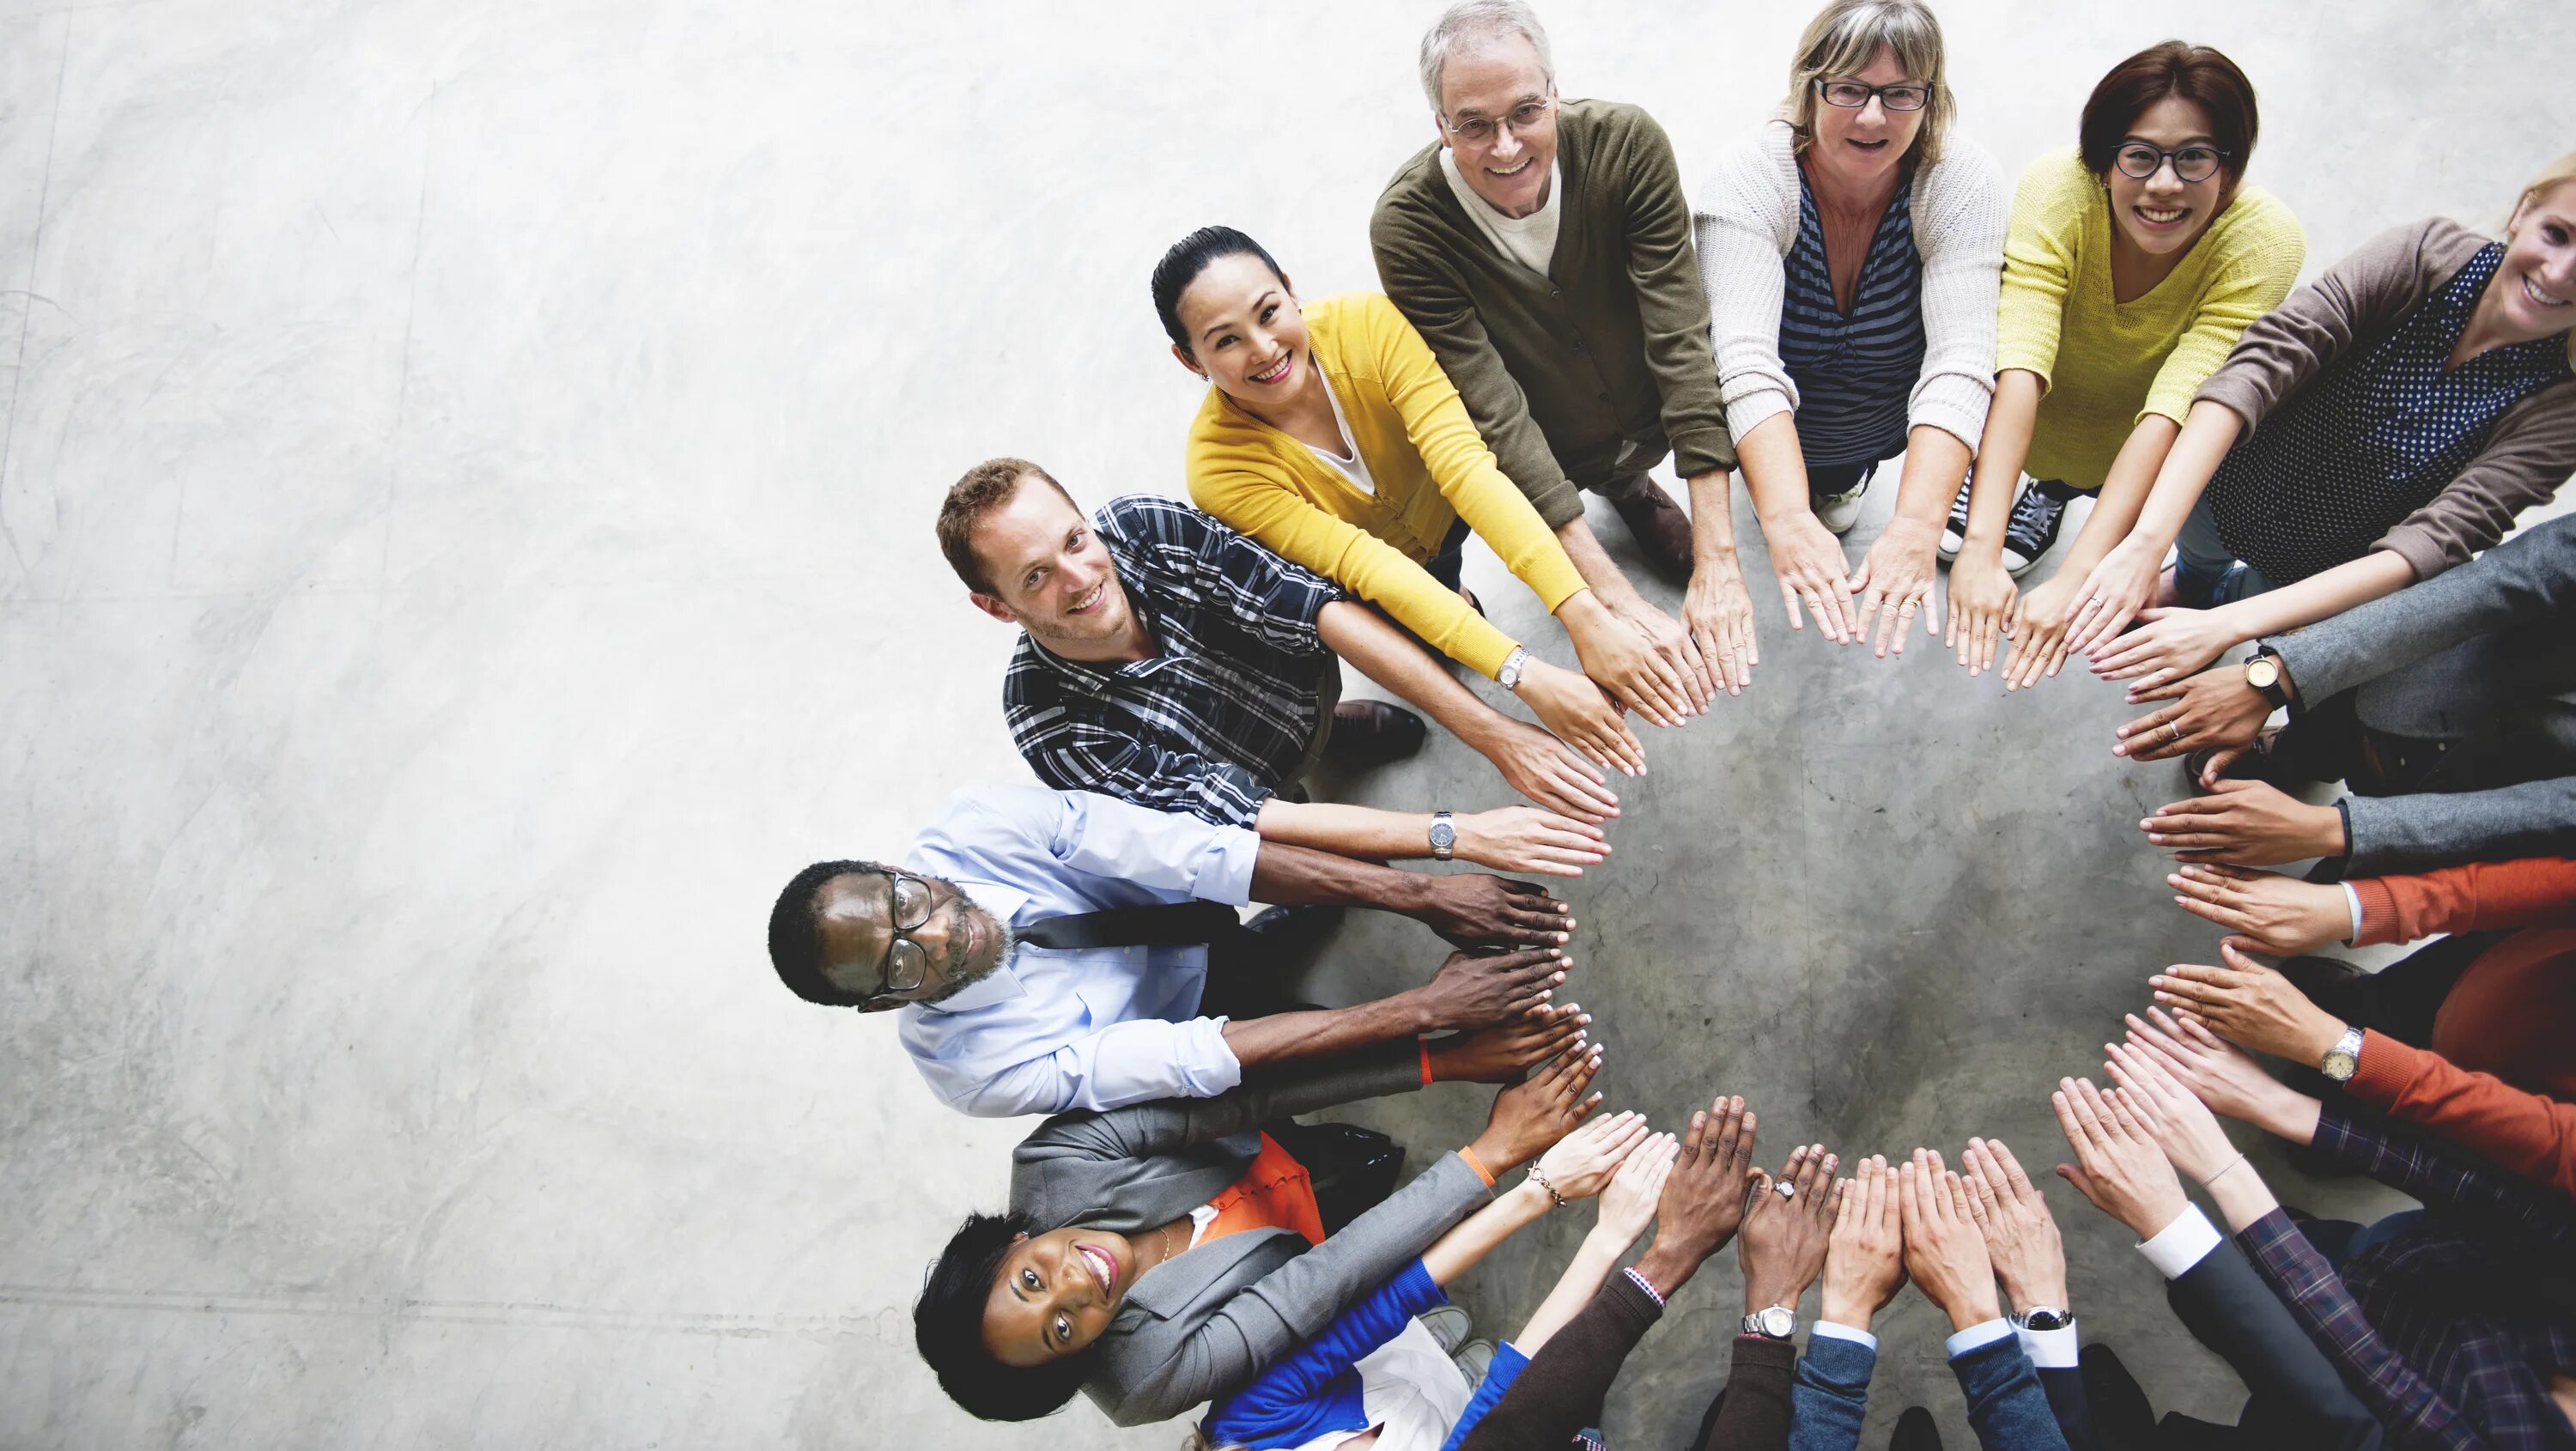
column 466, row 473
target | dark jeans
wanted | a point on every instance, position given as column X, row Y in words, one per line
column 1452, row 558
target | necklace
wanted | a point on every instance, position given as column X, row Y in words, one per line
column 1163, row 1242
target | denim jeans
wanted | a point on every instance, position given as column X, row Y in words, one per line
column 2205, row 573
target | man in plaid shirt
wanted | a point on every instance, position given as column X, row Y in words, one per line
column 2453, row 1327
column 1170, row 662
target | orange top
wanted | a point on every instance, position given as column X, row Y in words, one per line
column 1275, row 1193
column 2481, row 896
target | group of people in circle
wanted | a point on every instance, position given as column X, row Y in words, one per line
column 2328, row 472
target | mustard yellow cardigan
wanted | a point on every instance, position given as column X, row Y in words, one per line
column 2108, row 364
column 1430, row 466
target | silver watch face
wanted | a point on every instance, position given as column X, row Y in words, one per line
column 1443, row 836
column 2340, row 1065
column 1778, row 1321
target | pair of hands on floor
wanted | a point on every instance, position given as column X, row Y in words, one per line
column 1894, row 584
column 1955, row 1236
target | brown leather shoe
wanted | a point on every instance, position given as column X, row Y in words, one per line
column 1661, row 529
column 1372, row 733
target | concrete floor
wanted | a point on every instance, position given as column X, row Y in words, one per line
column 466, row 475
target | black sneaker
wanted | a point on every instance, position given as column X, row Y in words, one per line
column 2032, row 529
column 1954, row 535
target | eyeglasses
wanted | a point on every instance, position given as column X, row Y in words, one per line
column 2192, row 163
column 1477, row 131
column 1852, row 95
column 906, row 966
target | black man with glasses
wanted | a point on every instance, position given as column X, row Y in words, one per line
column 1542, row 248
column 1850, row 249
column 1054, row 950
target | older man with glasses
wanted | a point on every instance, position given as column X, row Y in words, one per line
column 1055, row 950
column 1542, row 247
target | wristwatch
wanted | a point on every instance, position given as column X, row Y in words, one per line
column 1772, row 1322
column 1509, row 677
column 2344, row 1058
column 2043, row 1317
column 2263, row 673
column 1444, row 836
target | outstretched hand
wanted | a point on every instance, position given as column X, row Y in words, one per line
column 1471, row 909
column 1483, row 990
column 2250, row 1004
column 1628, row 1205
column 2021, row 1235
column 1865, row 1259
column 1501, row 1054
column 2224, row 1076
column 1533, row 1114
column 1579, row 1164
column 2117, row 1164
column 1704, row 1199
column 1785, row 1235
column 1943, row 1250
column 2273, row 912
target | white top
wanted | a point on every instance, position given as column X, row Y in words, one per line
column 1347, row 463
column 1410, row 1390
column 1746, row 220
column 1530, row 240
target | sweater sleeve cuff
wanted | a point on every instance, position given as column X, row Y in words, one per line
column 2384, row 1069
column 1954, row 405
column 1702, row 450
column 1961, row 1342
column 2378, row 911
column 2182, row 1244
column 1832, row 1331
column 1744, row 414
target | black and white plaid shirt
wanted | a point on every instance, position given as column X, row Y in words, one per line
column 1213, row 723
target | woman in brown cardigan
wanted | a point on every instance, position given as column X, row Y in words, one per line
column 2388, row 422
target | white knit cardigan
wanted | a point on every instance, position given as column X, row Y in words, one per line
column 1744, row 223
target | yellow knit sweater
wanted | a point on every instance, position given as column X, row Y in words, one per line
column 2108, row 364
column 1429, row 464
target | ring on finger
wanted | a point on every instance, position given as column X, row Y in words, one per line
column 2173, row 731
column 1784, row 1188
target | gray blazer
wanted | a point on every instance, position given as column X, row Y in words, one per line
column 2478, row 656
column 1209, row 1318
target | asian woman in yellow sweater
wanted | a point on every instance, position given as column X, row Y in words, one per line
column 2133, row 262
column 1331, row 435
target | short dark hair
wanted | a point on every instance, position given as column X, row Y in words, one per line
column 2197, row 73
column 985, row 487
column 1188, row 258
column 796, row 934
column 948, row 1328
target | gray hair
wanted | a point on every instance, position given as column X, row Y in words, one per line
column 1841, row 40
column 1473, row 23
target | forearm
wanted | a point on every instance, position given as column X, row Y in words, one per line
column 1712, row 500
column 2209, row 430
column 1593, row 1261
column 1362, row 832
column 1458, row 1251
column 2124, row 493
column 2320, row 596
column 1593, row 563
column 1756, row 1416
column 2240, row 1194
column 1381, row 652
column 1546, row 1406
column 1775, row 469
column 2001, row 452
column 1289, row 875
column 1935, row 463
column 1292, row 1037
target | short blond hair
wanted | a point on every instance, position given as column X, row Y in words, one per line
column 1841, row 41
column 2553, row 176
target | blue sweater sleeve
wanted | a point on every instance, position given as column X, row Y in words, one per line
column 1506, row 1367
column 2006, row 1405
column 1315, row 1390
column 1829, row 1397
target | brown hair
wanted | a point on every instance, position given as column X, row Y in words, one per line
column 1842, row 40
column 2197, row 74
column 986, row 487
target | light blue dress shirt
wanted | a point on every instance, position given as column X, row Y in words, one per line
column 1091, row 1028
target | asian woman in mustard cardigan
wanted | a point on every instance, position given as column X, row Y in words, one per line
column 1332, row 436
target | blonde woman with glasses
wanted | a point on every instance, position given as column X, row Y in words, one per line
column 1851, row 251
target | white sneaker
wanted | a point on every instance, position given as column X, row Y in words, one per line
column 1839, row 512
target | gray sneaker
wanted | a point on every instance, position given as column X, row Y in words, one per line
column 1839, row 512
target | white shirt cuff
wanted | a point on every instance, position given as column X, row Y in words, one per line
column 2180, row 1245
column 2352, row 899
column 1963, row 1341
column 2050, row 1349
column 1832, row 1331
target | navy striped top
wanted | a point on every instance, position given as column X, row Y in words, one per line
column 1854, row 374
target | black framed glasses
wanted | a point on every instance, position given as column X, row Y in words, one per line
column 906, row 966
column 1524, row 118
column 2140, row 161
column 1852, row 95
